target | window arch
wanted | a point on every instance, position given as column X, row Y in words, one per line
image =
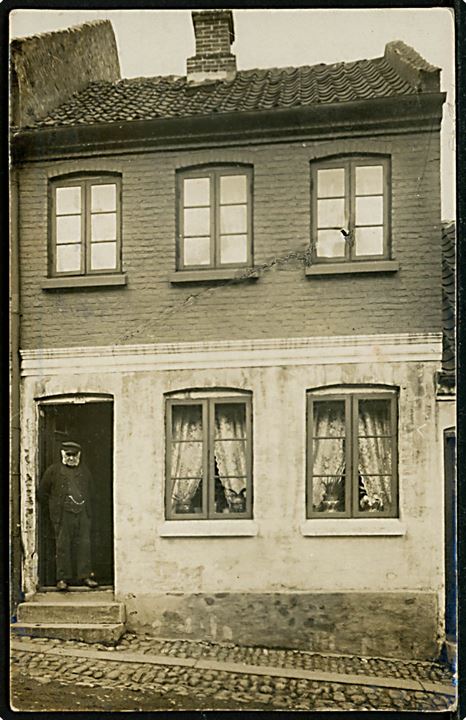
column 352, row 452
column 351, row 208
column 208, row 454
column 85, row 224
column 214, row 217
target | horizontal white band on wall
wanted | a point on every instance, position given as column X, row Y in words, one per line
column 352, row 527
column 208, row 528
column 402, row 347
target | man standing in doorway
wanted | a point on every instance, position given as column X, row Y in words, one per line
column 66, row 486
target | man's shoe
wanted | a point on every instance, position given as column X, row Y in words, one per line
column 91, row 583
column 62, row 585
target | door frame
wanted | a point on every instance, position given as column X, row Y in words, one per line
column 78, row 398
column 450, row 528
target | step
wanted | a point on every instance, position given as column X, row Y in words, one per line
column 64, row 611
column 108, row 633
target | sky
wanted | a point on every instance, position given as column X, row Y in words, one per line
column 157, row 42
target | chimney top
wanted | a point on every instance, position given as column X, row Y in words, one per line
column 214, row 33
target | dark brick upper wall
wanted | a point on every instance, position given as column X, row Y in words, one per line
column 283, row 302
column 47, row 69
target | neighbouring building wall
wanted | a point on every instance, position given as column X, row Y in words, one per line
column 283, row 301
column 46, row 69
column 379, row 593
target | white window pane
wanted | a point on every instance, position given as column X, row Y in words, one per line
column 233, row 219
column 369, row 180
column 197, row 251
column 331, row 182
column 68, row 200
column 369, row 210
column 331, row 213
column 103, row 256
column 328, row 493
column 103, row 227
column 68, row 258
column 233, row 189
column 369, row 241
column 197, row 221
column 196, row 191
column 374, row 417
column 330, row 243
column 233, row 249
column 68, row 229
column 103, row 198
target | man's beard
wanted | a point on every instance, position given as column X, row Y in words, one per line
column 71, row 460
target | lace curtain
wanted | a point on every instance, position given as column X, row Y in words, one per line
column 328, row 455
column 230, row 456
column 374, row 455
column 374, row 461
column 229, row 449
column 187, row 458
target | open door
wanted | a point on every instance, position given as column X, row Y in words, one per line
column 450, row 536
column 89, row 423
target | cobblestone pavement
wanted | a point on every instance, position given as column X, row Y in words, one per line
column 35, row 658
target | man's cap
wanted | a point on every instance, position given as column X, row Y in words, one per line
column 71, row 447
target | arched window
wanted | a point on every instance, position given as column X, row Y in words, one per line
column 209, row 455
column 85, row 225
column 351, row 209
column 214, row 217
column 352, row 452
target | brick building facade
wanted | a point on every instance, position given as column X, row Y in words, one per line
column 276, row 252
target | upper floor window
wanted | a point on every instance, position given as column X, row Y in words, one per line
column 209, row 455
column 350, row 211
column 85, row 226
column 352, row 454
column 215, row 218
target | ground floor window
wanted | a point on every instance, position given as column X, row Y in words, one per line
column 352, row 454
column 209, row 457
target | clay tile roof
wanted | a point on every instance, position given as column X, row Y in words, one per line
column 448, row 297
column 148, row 98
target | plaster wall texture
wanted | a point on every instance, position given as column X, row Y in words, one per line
column 279, row 558
column 282, row 302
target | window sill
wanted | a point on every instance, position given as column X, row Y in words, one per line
column 367, row 266
column 346, row 527
column 187, row 276
column 83, row 281
column 208, row 528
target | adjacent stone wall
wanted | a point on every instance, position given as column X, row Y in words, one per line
column 47, row 69
column 378, row 624
column 283, row 302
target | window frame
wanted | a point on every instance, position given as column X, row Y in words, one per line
column 214, row 173
column 351, row 399
column 85, row 182
column 349, row 163
column 208, row 457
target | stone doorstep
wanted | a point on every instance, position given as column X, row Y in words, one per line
column 107, row 633
column 73, row 594
column 242, row 668
column 75, row 612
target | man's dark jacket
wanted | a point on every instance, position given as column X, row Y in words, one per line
column 57, row 483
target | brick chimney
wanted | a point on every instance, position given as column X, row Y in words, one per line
column 214, row 33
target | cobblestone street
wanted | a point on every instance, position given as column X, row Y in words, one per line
column 142, row 672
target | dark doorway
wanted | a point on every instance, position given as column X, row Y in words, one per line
column 450, row 535
column 90, row 423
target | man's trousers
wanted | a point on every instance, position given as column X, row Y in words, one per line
column 73, row 546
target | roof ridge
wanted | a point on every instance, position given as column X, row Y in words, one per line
column 68, row 30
